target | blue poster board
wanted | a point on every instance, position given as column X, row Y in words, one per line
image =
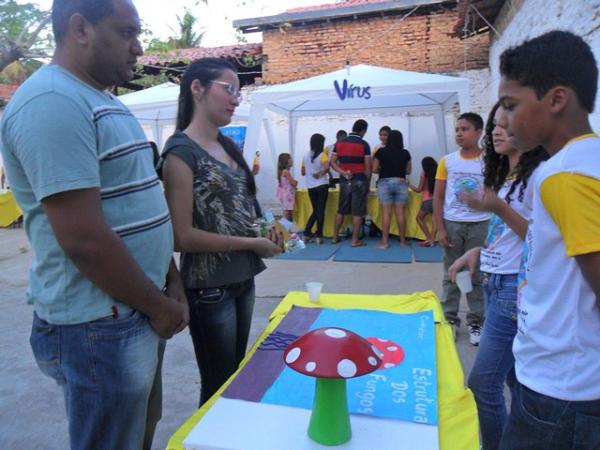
column 406, row 392
column 235, row 133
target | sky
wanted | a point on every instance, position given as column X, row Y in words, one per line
column 214, row 18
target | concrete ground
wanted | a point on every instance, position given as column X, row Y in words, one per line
column 32, row 413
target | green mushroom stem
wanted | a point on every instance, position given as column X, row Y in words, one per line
column 330, row 421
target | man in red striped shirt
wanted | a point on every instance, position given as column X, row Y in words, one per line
column 351, row 158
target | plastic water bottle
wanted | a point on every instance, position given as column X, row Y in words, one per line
column 294, row 244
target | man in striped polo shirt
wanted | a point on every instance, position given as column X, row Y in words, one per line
column 81, row 170
column 351, row 158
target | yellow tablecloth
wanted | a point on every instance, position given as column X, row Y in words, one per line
column 9, row 211
column 457, row 413
column 303, row 210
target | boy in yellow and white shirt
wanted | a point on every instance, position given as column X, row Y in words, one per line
column 556, row 403
column 461, row 228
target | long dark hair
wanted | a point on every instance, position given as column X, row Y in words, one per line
column 528, row 162
column 206, row 70
column 429, row 166
column 395, row 140
column 496, row 166
column 317, row 143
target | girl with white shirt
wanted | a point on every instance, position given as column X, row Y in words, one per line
column 315, row 166
column 508, row 179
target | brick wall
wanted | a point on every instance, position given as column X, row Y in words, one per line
column 520, row 20
column 422, row 42
column 7, row 91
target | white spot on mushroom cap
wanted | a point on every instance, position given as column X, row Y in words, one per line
column 372, row 360
column 382, row 340
column 311, row 366
column 388, row 365
column 335, row 333
column 292, row 355
column 377, row 351
column 346, row 368
column 392, row 348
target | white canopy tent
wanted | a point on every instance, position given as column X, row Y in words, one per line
column 156, row 110
column 373, row 90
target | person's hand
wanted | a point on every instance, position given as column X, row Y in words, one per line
column 470, row 260
column 265, row 248
column 170, row 318
column 176, row 291
column 443, row 239
column 488, row 201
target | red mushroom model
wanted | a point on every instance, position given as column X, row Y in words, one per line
column 392, row 353
column 331, row 355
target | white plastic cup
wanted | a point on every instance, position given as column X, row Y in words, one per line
column 463, row 280
column 314, row 290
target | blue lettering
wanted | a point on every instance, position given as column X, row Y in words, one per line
column 366, row 93
column 341, row 92
column 351, row 91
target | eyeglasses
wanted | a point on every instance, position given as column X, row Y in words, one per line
column 231, row 90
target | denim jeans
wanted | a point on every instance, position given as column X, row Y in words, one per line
column 539, row 422
column 463, row 236
column 494, row 364
column 392, row 191
column 107, row 369
column 220, row 324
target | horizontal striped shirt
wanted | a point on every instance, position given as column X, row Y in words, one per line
column 351, row 153
column 59, row 134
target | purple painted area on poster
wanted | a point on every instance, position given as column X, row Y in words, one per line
column 267, row 362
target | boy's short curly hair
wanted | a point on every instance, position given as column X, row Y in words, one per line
column 554, row 59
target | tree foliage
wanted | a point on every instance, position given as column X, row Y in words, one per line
column 24, row 32
column 188, row 38
column 185, row 35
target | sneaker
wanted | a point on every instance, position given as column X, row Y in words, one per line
column 474, row 334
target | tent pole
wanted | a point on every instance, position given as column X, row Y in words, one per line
column 253, row 131
column 294, row 121
column 270, row 140
column 440, row 126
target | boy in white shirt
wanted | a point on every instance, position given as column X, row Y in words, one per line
column 556, row 403
column 461, row 228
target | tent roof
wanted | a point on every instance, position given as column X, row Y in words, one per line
column 389, row 88
column 160, row 103
column 163, row 93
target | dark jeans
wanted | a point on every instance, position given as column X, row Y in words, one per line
column 494, row 364
column 539, row 422
column 219, row 324
column 318, row 200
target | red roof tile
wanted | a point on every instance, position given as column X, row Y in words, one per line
column 190, row 54
column 343, row 4
column 7, row 90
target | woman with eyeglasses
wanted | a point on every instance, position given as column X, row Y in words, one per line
column 210, row 191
